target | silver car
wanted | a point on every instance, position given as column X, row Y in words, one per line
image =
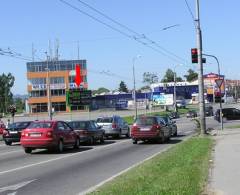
column 114, row 126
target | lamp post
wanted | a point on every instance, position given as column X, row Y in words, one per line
column 48, row 90
column 174, row 90
column 134, row 85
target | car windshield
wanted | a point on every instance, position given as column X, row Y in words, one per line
column 146, row 121
column 39, row 125
column 18, row 125
column 105, row 120
column 78, row 124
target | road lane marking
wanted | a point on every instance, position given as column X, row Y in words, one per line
column 62, row 157
column 5, row 153
column 16, row 186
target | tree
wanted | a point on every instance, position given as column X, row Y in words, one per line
column 6, row 96
column 100, row 90
column 191, row 76
column 19, row 104
column 169, row 77
column 150, row 78
column 123, row 87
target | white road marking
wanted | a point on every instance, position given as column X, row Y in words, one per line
column 16, row 186
column 5, row 153
column 61, row 157
column 14, row 193
column 91, row 189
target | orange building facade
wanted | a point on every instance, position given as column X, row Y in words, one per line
column 61, row 77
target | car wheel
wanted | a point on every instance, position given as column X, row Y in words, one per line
column 91, row 141
column 135, row 141
column 128, row 133
column 8, row 143
column 175, row 134
column 60, row 146
column 77, row 143
column 162, row 137
column 28, row 150
column 102, row 139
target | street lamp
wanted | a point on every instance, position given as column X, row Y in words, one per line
column 48, row 90
column 174, row 90
column 134, row 85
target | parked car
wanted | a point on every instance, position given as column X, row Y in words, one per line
column 181, row 103
column 13, row 132
column 171, row 124
column 228, row 114
column 89, row 131
column 50, row 135
column 114, row 126
column 209, row 111
column 150, row 128
column 174, row 115
column 191, row 114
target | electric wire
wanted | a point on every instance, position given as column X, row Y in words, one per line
column 191, row 13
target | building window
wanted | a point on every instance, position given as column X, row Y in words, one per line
column 57, row 80
column 37, row 81
column 41, row 107
column 59, row 106
column 39, row 93
column 77, row 108
column 57, row 92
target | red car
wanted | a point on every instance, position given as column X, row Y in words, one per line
column 50, row 135
column 2, row 128
column 148, row 128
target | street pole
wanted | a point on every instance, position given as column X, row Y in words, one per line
column 174, row 95
column 134, row 87
column 49, row 91
column 200, row 75
column 220, row 103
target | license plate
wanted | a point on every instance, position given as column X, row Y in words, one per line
column 13, row 132
column 35, row 135
column 144, row 129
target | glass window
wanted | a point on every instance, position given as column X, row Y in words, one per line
column 146, row 121
column 38, row 125
column 105, row 120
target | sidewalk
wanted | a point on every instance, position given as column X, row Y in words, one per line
column 225, row 173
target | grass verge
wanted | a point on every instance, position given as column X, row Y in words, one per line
column 233, row 127
column 181, row 170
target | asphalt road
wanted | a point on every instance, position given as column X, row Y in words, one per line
column 75, row 171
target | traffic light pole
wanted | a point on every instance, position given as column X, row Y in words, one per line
column 200, row 75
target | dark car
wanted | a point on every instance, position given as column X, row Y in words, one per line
column 171, row 124
column 114, row 126
column 52, row 135
column 228, row 114
column 13, row 132
column 174, row 115
column 191, row 114
column 148, row 128
column 88, row 131
column 209, row 111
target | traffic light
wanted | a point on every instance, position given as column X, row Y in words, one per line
column 194, row 53
column 12, row 109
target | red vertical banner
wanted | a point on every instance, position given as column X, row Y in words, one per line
column 78, row 77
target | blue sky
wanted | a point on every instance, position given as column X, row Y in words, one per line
column 25, row 22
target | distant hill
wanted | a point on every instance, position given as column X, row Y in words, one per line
column 23, row 97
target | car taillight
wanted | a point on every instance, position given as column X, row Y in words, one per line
column 135, row 127
column 114, row 126
column 5, row 132
column 49, row 134
column 23, row 134
column 156, row 127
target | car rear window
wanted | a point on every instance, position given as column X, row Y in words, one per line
column 146, row 121
column 18, row 125
column 78, row 124
column 39, row 125
column 105, row 120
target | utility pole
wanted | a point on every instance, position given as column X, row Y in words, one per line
column 200, row 75
column 49, row 91
column 174, row 93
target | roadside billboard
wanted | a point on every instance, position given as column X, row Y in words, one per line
column 162, row 99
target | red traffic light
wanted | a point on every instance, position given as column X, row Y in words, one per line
column 194, row 53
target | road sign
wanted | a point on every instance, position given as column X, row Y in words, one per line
column 219, row 82
column 79, row 97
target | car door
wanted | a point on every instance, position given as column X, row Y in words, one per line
column 236, row 114
column 164, row 127
column 60, row 132
column 93, row 130
column 69, row 133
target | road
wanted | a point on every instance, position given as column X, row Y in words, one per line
column 75, row 171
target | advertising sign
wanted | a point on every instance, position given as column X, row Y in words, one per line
column 79, row 97
column 162, row 99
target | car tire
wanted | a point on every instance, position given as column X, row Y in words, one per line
column 60, row 146
column 8, row 143
column 135, row 141
column 162, row 138
column 28, row 150
column 102, row 139
column 175, row 134
column 77, row 144
column 91, row 141
column 128, row 133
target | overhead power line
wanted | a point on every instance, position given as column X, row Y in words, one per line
column 190, row 11
column 135, row 35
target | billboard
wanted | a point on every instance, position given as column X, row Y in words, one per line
column 162, row 99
